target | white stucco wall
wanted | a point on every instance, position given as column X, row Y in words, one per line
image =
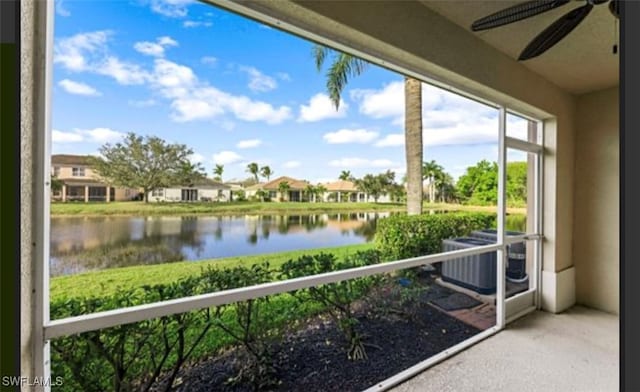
column 596, row 234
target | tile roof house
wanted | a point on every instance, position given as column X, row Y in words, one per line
column 79, row 182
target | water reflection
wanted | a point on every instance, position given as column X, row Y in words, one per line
column 90, row 243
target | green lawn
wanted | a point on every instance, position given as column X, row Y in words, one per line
column 242, row 208
column 106, row 282
column 254, row 208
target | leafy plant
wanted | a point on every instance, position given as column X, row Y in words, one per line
column 338, row 298
column 249, row 326
column 404, row 236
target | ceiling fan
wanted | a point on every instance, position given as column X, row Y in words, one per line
column 552, row 34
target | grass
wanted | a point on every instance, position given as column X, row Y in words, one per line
column 132, row 208
column 109, row 281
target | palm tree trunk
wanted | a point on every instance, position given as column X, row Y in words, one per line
column 413, row 144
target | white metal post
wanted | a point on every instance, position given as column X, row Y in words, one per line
column 539, row 216
column 501, row 254
column 42, row 196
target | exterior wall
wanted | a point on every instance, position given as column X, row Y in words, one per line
column 175, row 195
column 66, row 171
column 596, row 234
column 410, row 35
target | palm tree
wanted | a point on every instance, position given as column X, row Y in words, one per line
column 266, row 172
column 345, row 175
column 343, row 68
column 253, row 169
column 310, row 191
column 430, row 171
column 319, row 190
column 283, row 188
column 217, row 172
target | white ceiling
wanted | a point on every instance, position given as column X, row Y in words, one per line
column 582, row 62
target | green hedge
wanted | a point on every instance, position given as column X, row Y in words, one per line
column 403, row 236
column 148, row 355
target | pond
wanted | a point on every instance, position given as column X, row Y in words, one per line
column 81, row 244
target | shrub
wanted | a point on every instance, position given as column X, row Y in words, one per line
column 250, row 325
column 404, row 236
column 130, row 356
column 338, row 298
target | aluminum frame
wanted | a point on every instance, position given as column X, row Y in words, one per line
column 47, row 329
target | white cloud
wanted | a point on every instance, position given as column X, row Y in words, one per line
column 190, row 98
column 196, row 158
column 226, row 157
column 482, row 132
column 344, row 136
column 167, row 41
column 155, row 49
column 350, row 163
column 209, row 60
column 251, row 143
column 123, row 73
column 291, row 164
column 391, row 140
column 65, row 137
column 87, row 52
column 284, row 76
column 448, row 118
column 143, row 103
column 149, row 48
column 60, row 10
column 102, row 135
column 321, row 108
column 388, row 102
column 193, row 23
column 74, row 53
column 259, row 82
column 78, row 88
column 171, row 8
column 96, row 135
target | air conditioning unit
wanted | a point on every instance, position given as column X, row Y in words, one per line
column 477, row 272
column 517, row 254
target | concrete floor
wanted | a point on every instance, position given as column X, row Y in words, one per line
column 577, row 350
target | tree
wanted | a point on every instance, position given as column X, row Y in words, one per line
column 479, row 184
column 376, row 185
column 431, row 170
column 319, row 191
column 343, row 68
column 253, row 169
column 517, row 182
column 345, row 175
column 56, row 183
column 217, row 172
column 310, row 191
column 445, row 187
column 266, row 172
column 283, row 188
column 149, row 163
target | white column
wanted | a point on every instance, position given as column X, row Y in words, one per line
column 86, row 193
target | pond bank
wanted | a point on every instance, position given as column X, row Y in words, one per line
column 135, row 208
column 110, row 281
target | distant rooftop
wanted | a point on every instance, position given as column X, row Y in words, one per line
column 68, row 159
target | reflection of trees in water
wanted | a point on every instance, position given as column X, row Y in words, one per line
column 109, row 256
column 367, row 229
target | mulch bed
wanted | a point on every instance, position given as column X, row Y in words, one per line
column 314, row 358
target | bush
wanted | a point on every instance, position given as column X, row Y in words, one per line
column 404, row 236
column 338, row 298
column 139, row 356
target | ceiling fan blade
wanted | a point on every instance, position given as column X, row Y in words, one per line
column 554, row 33
column 516, row 13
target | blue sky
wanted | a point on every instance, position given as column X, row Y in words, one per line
column 237, row 91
